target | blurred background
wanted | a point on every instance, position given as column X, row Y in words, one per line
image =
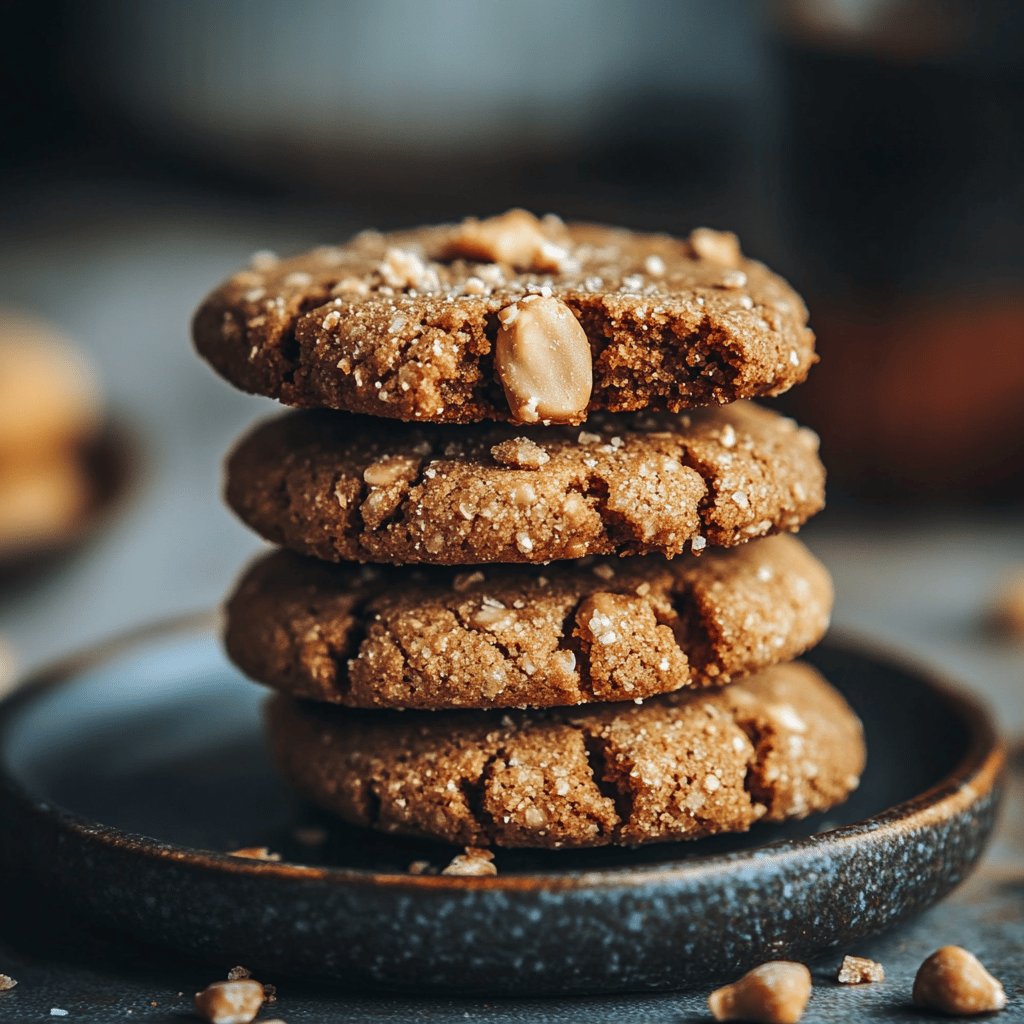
column 870, row 150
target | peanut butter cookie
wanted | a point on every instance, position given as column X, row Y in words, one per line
column 350, row 488
column 570, row 633
column 511, row 318
column 777, row 745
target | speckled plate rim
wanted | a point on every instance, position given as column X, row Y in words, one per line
column 973, row 778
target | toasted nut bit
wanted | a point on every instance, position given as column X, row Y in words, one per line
column 6, row 983
column 858, row 970
column 475, row 861
column 390, row 470
column 954, row 981
column 402, row 268
column 520, row 453
column 254, row 853
column 715, row 246
column 774, row 993
column 516, row 238
column 543, row 361
column 230, row 1002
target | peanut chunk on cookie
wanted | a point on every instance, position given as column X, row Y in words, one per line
column 543, row 360
column 716, row 246
column 774, row 993
column 954, row 981
column 519, row 453
column 515, row 237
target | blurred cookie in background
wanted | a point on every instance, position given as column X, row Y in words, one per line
column 49, row 395
column 42, row 500
column 1005, row 612
column 59, row 464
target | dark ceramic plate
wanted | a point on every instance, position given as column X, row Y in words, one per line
column 124, row 772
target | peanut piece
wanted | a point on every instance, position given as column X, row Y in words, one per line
column 516, row 238
column 715, row 246
column 954, row 981
column 859, row 970
column 473, row 862
column 543, row 361
column 774, row 993
column 6, row 983
column 390, row 470
column 230, row 1002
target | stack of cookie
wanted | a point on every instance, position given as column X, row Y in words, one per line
column 529, row 593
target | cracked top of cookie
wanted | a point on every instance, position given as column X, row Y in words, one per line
column 511, row 318
column 587, row 631
column 348, row 488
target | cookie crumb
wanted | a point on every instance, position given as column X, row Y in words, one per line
column 6, row 983
column 238, row 973
column 954, row 981
column 859, row 970
column 230, row 1002
column 475, row 861
column 255, row 853
column 270, row 992
column 774, row 993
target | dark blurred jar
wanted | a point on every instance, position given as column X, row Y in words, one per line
column 903, row 174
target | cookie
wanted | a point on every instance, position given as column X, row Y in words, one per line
column 42, row 502
column 779, row 744
column 569, row 633
column 49, row 397
column 350, row 488
column 512, row 318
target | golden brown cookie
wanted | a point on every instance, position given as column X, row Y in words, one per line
column 484, row 320
column 350, row 488
column 777, row 745
column 49, row 397
column 569, row 633
column 42, row 502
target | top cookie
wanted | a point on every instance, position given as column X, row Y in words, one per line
column 511, row 318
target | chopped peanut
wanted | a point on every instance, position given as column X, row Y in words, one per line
column 774, row 993
column 954, row 981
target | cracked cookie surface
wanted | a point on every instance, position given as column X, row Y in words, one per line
column 779, row 744
column 570, row 633
column 348, row 488
column 403, row 325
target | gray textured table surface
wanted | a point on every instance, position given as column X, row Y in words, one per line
column 122, row 275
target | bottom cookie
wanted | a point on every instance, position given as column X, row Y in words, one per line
column 779, row 744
